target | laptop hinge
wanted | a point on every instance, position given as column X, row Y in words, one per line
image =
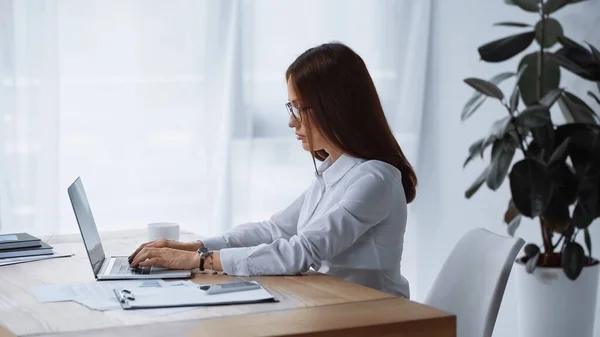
column 98, row 267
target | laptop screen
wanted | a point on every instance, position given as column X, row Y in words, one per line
column 87, row 225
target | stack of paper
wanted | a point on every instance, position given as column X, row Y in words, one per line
column 24, row 247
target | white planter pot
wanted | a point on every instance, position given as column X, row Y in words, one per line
column 551, row 305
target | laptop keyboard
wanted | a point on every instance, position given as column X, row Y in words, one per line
column 121, row 267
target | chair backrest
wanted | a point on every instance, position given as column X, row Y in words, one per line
column 472, row 281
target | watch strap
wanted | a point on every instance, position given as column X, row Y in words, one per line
column 202, row 259
column 204, row 253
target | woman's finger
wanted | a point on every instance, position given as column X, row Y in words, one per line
column 146, row 253
column 155, row 261
column 141, row 256
column 155, row 243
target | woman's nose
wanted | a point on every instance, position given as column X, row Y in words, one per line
column 292, row 122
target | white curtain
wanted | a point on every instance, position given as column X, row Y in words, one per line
column 29, row 116
column 173, row 110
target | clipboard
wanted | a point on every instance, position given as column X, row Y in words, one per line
column 185, row 296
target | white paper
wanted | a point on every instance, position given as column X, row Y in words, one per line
column 101, row 304
column 23, row 259
column 87, row 291
column 99, row 295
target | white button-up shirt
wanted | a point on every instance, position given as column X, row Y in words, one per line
column 349, row 223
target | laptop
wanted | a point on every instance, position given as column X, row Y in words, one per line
column 111, row 267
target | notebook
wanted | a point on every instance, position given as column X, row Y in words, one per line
column 164, row 297
column 44, row 249
column 18, row 240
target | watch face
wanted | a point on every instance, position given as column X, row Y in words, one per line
column 203, row 249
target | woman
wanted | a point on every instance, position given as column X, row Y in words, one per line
column 350, row 222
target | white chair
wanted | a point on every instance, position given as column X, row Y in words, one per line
column 472, row 281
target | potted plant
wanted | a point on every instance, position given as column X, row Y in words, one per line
column 556, row 172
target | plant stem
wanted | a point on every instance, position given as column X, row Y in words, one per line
column 547, row 241
column 557, row 243
column 548, row 247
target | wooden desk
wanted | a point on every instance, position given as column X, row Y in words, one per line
column 312, row 304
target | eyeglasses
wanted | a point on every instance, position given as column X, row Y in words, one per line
column 294, row 111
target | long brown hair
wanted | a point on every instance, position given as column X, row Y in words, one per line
column 333, row 81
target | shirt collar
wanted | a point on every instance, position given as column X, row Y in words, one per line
column 332, row 173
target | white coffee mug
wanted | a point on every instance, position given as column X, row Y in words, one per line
column 163, row 230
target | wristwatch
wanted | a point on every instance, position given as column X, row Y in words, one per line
column 204, row 253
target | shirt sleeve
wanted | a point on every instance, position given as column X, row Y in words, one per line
column 282, row 224
column 367, row 202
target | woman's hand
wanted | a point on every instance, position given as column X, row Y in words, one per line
column 164, row 243
column 166, row 257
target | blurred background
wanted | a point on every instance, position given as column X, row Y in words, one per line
column 174, row 111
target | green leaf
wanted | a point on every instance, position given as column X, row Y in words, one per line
column 485, row 87
column 528, row 85
column 531, row 250
column 593, row 200
column 552, row 6
column 520, row 73
column 572, row 258
column 576, row 59
column 476, row 184
column 534, row 116
column 560, row 154
column 551, row 97
column 563, row 60
column 564, row 184
column 530, row 187
column 563, row 193
column 592, row 169
column 552, row 30
column 512, row 24
column 595, row 52
column 588, row 202
column 591, row 94
column 514, row 97
column 474, row 150
column 556, row 214
column 511, row 212
column 477, row 99
column 527, row 5
column 575, row 110
column 542, row 145
column 498, row 129
column 581, row 218
column 573, row 46
column 503, row 151
column 472, row 105
column 505, row 48
column 589, row 193
column 588, row 241
column 584, row 147
column 513, row 225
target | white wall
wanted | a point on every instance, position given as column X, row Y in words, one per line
column 444, row 215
